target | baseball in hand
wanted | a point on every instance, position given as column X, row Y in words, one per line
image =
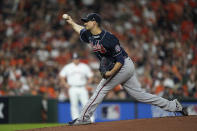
column 65, row 16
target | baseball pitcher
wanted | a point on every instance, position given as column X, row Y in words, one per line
column 116, row 68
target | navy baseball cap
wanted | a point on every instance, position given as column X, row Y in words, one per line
column 92, row 17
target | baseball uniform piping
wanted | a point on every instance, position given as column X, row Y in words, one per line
column 97, row 96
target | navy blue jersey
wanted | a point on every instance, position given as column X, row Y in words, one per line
column 104, row 44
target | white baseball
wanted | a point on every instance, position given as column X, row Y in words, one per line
column 65, row 16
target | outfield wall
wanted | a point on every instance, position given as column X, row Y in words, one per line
column 27, row 109
column 20, row 109
column 30, row 109
column 124, row 110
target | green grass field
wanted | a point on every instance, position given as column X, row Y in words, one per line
column 13, row 127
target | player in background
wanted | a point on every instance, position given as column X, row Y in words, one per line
column 105, row 44
column 76, row 76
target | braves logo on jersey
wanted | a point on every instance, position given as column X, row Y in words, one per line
column 98, row 47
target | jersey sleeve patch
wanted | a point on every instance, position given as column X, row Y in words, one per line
column 117, row 48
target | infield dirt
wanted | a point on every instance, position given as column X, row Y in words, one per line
column 186, row 123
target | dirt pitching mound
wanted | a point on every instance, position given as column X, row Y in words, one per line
column 186, row 123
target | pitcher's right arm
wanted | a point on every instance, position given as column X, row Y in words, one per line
column 74, row 25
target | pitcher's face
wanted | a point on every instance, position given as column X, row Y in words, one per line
column 90, row 25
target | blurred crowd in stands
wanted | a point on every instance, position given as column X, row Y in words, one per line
column 159, row 35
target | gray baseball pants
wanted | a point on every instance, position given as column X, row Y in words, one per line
column 127, row 78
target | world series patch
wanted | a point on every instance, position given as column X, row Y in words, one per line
column 117, row 48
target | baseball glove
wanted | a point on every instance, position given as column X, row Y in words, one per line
column 105, row 65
